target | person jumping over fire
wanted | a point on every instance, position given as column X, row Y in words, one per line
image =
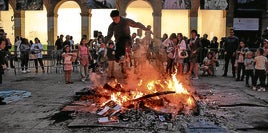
column 120, row 28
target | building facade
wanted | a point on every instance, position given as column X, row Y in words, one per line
column 196, row 18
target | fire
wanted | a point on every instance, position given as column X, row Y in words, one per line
column 175, row 84
column 190, row 102
column 179, row 98
column 151, row 87
column 118, row 98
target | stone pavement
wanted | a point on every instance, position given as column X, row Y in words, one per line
column 232, row 105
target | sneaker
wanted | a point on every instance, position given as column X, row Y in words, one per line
column 83, row 79
column 24, row 71
column 28, row 71
column 195, row 78
column 262, row 89
column 254, row 88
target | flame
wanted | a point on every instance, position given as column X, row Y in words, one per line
column 118, row 98
column 190, row 101
column 181, row 95
column 150, row 86
column 177, row 85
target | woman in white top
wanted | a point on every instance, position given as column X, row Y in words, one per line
column 170, row 45
column 37, row 49
column 181, row 53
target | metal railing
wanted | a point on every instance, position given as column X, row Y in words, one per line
column 49, row 61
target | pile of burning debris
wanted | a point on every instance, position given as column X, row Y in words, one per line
column 147, row 105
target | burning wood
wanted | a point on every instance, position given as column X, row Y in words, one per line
column 154, row 95
column 118, row 88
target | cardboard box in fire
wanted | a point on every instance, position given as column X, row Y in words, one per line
column 109, row 110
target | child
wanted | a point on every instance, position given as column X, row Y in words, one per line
column 68, row 57
column 260, row 67
column 111, row 58
column 101, row 58
column 84, row 56
column 209, row 63
column 2, row 58
column 249, row 66
column 240, row 60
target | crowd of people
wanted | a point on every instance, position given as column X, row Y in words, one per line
column 24, row 50
column 194, row 54
column 183, row 56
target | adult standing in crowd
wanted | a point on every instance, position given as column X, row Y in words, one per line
column 37, row 49
column 205, row 47
column 181, row 53
column 72, row 43
column 2, row 58
column 169, row 45
column 230, row 47
column 195, row 47
column 25, row 50
column 17, row 48
column 59, row 48
column 3, row 35
column 67, row 41
column 214, row 44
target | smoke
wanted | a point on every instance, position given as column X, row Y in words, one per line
column 96, row 79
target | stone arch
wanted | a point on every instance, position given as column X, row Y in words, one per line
column 156, row 6
column 138, row 10
column 157, row 12
column 65, row 24
column 59, row 3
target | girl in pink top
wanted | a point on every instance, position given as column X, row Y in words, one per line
column 84, row 56
column 67, row 55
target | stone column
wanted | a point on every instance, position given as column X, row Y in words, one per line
column 86, row 24
column 52, row 28
column 122, row 7
column 230, row 17
column 19, row 23
column 157, row 24
column 194, row 15
column 193, row 22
